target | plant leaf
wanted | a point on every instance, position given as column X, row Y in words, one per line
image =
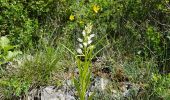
column 4, row 41
column 10, row 55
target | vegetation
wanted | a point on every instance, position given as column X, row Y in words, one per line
column 39, row 37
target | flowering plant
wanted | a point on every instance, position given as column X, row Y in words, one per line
column 84, row 67
column 71, row 17
column 96, row 8
column 84, row 50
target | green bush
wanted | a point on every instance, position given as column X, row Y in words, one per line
column 15, row 22
column 135, row 26
column 14, row 87
column 20, row 19
column 160, row 85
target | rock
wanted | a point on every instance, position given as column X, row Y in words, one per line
column 100, row 83
column 34, row 94
column 103, row 83
column 67, row 91
column 51, row 93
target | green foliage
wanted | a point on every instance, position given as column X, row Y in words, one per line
column 137, row 32
column 14, row 87
column 39, row 68
column 20, row 19
column 160, row 85
column 34, row 70
column 140, row 26
column 154, row 40
column 6, row 50
column 15, row 22
column 140, row 70
column 38, row 7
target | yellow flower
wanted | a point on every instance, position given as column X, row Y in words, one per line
column 96, row 8
column 71, row 17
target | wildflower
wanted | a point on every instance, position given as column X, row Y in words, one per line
column 89, row 41
column 96, row 8
column 80, row 45
column 84, row 33
column 80, row 40
column 91, row 36
column 79, row 51
column 71, row 17
column 88, row 28
column 84, row 61
column 85, row 44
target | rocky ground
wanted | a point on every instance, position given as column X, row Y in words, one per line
column 103, row 83
column 99, row 84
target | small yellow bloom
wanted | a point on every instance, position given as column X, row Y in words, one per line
column 96, row 8
column 71, row 17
